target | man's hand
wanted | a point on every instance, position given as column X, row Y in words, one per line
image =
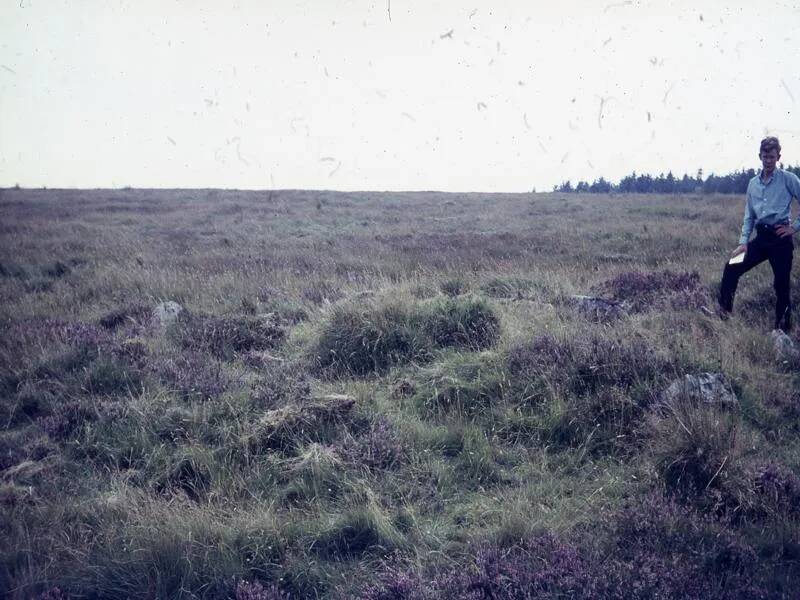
column 785, row 230
column 739, row 250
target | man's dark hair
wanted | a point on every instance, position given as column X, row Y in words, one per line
column 768, row 143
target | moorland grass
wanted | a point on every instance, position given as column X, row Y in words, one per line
column 385, row 395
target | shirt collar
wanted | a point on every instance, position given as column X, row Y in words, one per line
column 771, row 177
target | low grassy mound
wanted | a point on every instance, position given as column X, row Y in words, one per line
column 468, row 323
column 696, row 448
column 590, row 392
column 356, row 341
column 463, row 385
column 643, row 291
column 148, row 548
column 378, row 447
column 225, row 338
column 709, row 458
column 360, row 340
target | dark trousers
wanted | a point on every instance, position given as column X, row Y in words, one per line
column 767, row 245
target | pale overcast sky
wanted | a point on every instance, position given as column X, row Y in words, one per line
column 359, row 95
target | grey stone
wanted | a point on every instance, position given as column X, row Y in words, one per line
column 786, row 349
column 596, row 308
column 705, row 388
column 336, row 399
column 166, row 313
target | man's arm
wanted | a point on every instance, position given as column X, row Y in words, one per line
column 793, row 185
column 749, row 219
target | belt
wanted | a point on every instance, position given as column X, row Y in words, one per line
column 768, row 228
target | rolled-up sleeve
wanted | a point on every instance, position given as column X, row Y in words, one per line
column 749, row 219
column 793, row 185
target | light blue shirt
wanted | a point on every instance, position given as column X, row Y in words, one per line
column 770, row 203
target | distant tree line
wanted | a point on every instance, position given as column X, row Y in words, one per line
column 733, row 183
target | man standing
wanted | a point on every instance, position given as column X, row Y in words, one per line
column 767, row 207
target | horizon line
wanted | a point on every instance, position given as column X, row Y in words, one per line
column 273, row 190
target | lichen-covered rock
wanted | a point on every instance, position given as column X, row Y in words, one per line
column 786, row 350
column 596, row 308
column 705, row 388
column 166, row 313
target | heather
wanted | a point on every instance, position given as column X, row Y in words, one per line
column 387, row 395
column 660, row 289
column 652, row 549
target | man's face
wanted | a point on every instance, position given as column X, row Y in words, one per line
column 769, row 159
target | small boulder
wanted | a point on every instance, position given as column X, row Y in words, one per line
column 703, row 388
column 596, row 308
column 166, row 313
column 786, row 350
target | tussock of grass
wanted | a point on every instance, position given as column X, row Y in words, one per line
column 477, row 464
column 462, row 384
column 693, row 444
column 446, row 439
column 468, row 323
column 157, row 550
column 317, row 472
column 454, row 286
column 109, row 376
column 191, row 472
column 357, row 341
column 359, row 530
